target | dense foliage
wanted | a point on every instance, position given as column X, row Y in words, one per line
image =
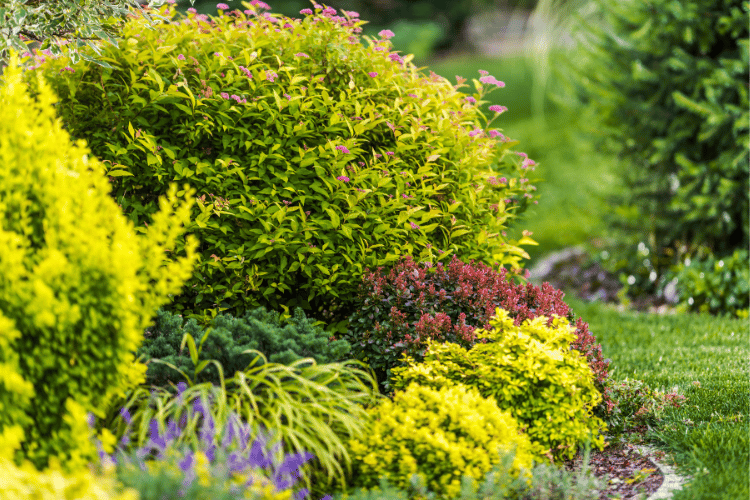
column 437, row 434
column 716, row 286
column 313, row 155
column 77, row 285
column 228, row 340
column 666, row 82
column 400, row 309
column 530, row 371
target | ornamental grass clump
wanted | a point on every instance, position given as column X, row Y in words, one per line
column 530, row 371
column 313, row 155
column 311, row 408
column 401, row 308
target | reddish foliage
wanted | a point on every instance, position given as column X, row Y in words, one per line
column 403, row 307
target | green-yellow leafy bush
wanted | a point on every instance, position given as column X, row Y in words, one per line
column 314, row 156
column 77, row 285
column 439, row 435
column 530, row 371
column 27, row 483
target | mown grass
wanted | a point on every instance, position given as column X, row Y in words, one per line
column 706, row 359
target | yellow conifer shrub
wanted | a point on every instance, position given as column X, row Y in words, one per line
column 77, row 285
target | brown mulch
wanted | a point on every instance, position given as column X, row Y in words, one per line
column 629, row 474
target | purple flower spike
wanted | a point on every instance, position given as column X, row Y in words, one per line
column 91, row 419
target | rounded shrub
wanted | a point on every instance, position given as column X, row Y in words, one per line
column 400, row 309
column 666, row 85
column 77, row 285
column 313, row 155
column 530, row 371
column 234, row 343
column 439, row 435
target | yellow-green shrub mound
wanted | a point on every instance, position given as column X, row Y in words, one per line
column 27, row 483
column 439, row 435
column 530, row 371
column 77, row 285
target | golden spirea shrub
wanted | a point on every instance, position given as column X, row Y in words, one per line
column 77, row 285
column 531, row 371
column 439, row 435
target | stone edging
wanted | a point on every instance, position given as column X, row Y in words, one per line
column 672, row 481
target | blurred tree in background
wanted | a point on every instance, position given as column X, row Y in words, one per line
column 420, row 25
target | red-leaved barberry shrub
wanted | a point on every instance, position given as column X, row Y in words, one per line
column 399, row 309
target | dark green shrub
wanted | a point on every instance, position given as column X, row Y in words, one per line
column 667, row 83
column 716, row 286
column 227, row 339
column 313, row 156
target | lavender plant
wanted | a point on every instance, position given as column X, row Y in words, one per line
column 236, row 459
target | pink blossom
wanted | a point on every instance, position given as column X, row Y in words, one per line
column 350, row 13
column 172, row 2
column 390, row 153
column 301, row 54
column 492, row 80
column 222, row 6
column 246, row 71
column 329, row 11
column 68, row 68
column 181, row 57
column 413, row 226
column 192, row 10
column 396, row 58
column 471, row 100
column 498, row 109
column 260, row 5
column 494, row 133
column 224, row 95
column 386, row 34
column 372, row 74
column 271, row 76
column 475, row 132
column 483, row 72
column 342, row 178
column 342, row 149
column 306, row 12
column 503, row 180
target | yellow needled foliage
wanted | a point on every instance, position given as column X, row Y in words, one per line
column 77, row 285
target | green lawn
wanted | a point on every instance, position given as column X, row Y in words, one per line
column 706, row 359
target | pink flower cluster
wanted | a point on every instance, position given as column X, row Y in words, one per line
column 342, row 149
column 342, row 178
column 498, row 109
column 492, row 80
